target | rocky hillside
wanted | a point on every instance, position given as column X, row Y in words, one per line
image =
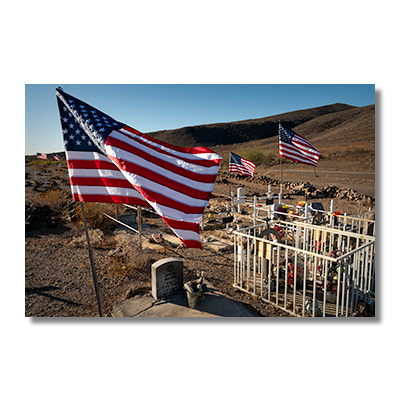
column 334, row 128
column 244, row 131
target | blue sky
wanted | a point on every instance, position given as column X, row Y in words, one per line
column 157, row 107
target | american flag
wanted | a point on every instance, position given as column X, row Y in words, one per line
column 56, row 157
column 239, row 165
column 294, row 147
column 41, row 156
column 111, row 162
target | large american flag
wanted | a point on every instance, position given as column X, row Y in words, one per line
column 294, row 147
column 111, row 162
column 238, row 164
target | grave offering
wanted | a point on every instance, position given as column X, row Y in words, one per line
column 166, row 278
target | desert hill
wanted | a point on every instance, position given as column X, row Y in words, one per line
column 338, row 130
column 341, row 130
column 212, row 135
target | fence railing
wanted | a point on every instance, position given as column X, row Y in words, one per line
column 304, row 269
column 307, row 214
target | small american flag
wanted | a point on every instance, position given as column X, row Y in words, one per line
column 56, row 157
column 111, row 162
column 239, row 165
column 42, row 156
column 294, row 147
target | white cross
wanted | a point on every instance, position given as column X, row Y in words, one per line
column 45, row 184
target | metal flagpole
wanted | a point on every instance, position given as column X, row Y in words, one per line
column 139, row 219
column 280, row 192
column 96, row 287
column 230, row 193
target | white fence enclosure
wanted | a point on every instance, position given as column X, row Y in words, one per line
column 305, row 269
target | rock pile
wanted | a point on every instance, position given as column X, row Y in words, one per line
column 298, row 188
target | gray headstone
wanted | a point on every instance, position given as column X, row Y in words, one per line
column 166, row 278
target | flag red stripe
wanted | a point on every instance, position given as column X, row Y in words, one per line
column 295, row 156
column 198, row 162
column 162, row 200
column 191, row 243
column 108, row 199
column 160, row 179
column 194, row 151
column 294, row 151
column 241, row 170
column 100, row 182
column 204, row 178
column 182, row 225
column 299, row 161
column 91, row 164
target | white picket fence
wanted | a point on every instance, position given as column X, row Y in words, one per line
column 307, row 270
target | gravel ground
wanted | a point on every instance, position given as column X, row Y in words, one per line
column 58, row 276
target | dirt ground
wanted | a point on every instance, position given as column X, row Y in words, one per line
column 58, row 277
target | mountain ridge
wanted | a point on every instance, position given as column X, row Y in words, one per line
column 328, row 127
column 216, row 134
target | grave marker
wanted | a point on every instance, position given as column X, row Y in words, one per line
column 45, row 182
column 166, row 278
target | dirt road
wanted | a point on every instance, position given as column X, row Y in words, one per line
column 353, row 175
column 361, row 181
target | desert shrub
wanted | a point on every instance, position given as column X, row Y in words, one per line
column 225, row 161
column 54, row 199
column 96, row 238
column 257, row 156
column 95, row 217
column 127, row 258
column 41, row 162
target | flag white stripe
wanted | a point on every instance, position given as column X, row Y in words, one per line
column 76, row 155
column 144, row 183
column 305, row 147
column 174, row 214
column 129, row 157
column 94, row 190
column 167, row 158
column 240, row 169
column 175, row 153
column 295, row 151
column 187, row 235
column 285, row 152
column 103, row 173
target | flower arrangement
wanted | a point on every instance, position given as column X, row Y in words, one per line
column 156, row 238
column 279, row 229
column 237, row 218
column 291, row 275
column 335, row 216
